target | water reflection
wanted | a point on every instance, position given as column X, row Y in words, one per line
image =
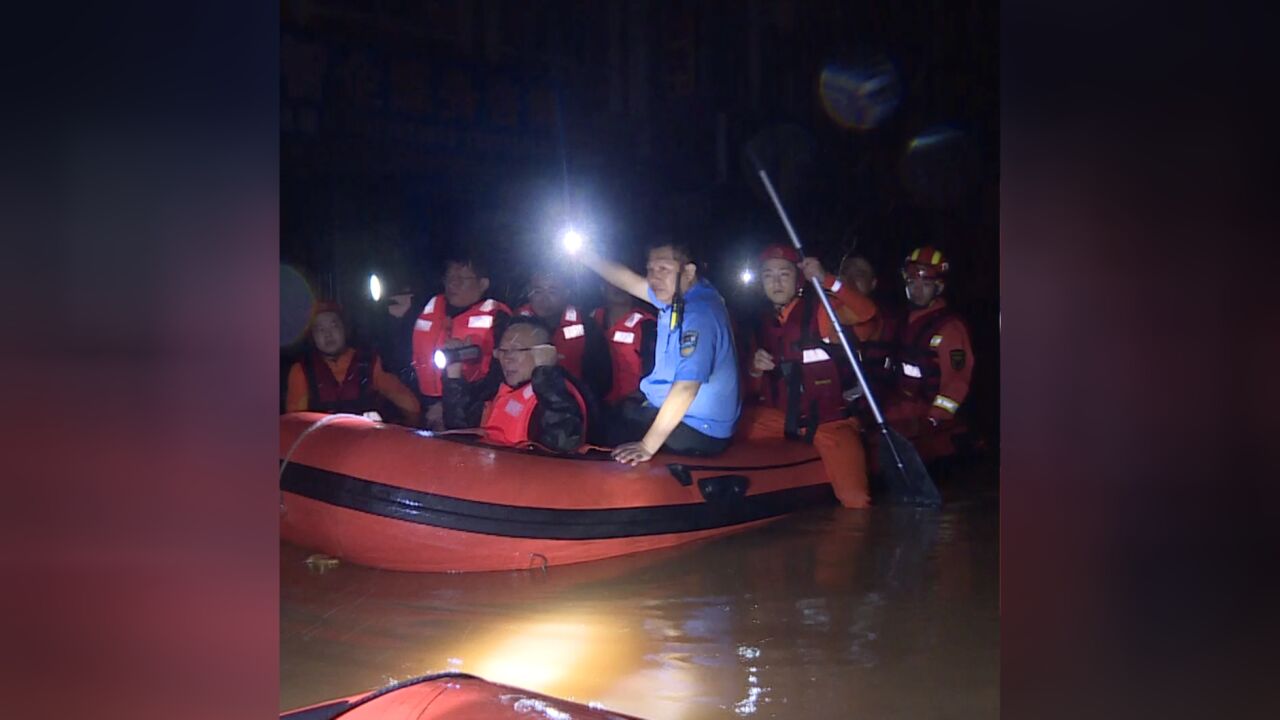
column 838, row 610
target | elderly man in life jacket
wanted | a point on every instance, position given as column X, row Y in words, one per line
column 796, row 371
column 579, row 343
column 333, row 377
column 631, row 331
column 932, row 358
column 463, row 312
column 526, row 398
column 873, row 349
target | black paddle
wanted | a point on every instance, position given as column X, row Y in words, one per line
column 898, row 457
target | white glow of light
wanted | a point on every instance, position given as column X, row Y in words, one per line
column 572, row 240
column 440, row 359
column 746, row 276
column 540, row 654
column 375, row 288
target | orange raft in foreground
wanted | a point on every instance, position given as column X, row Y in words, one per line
column 392, row 497
column 449, row 696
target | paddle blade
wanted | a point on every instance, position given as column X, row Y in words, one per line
column 909, row 484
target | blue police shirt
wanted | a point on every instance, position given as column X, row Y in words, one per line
column 703, row 352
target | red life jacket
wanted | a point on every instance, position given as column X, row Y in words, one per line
column 353, row 394
column 434, row 326
column 507, row 417
column 806, row 383
column 624, row 351
column 570, row 339
column 916, row 366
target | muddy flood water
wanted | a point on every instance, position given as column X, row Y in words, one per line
column 834, row 613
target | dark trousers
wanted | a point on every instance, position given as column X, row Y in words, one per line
column 631, row 419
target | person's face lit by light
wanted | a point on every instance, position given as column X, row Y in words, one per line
column 548, row 296
column 778, row 278
column 662, row 270
column 521, row 349
column 462, row 286
column 859, row 273
column 922, row 290
column 328, row 334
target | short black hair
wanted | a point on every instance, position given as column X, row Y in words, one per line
column 475, row 262
column 541, row 328
column 679, row 249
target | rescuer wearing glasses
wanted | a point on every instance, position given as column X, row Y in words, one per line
column 526, row 397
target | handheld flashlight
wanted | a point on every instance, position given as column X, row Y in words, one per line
column 572, row 241
column 375, row 287
column 447, row 356
column 746, row 276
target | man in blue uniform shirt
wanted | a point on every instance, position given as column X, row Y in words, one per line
column 691, row 398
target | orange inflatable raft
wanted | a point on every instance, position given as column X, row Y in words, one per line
column 449, row 696
column 396, row 498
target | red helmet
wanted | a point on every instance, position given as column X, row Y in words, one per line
column 782, row 252
column 927, row 262
column 778, row 251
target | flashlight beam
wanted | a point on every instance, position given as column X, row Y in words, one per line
column 572, row 240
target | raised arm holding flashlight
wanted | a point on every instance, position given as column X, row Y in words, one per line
column 691, row 399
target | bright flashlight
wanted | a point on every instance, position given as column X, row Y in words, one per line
column 375, row 287
column 572, row 240
column 446, row 356
column 746, row 276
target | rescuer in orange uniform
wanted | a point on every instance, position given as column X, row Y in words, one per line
column 796, row 369
column 334, row 378
column 874, row 351
column 526, row 397
column 631, row 333
column 462, row 313
column 932, row 358
column 579, row 342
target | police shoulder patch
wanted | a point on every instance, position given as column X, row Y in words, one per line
column 688, row 342
column 957, row 359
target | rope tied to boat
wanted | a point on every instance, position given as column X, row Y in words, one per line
column 310, row 429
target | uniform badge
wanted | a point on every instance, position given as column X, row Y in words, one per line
column 688, row 342
column 957, row 359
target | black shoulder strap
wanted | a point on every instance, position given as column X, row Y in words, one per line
column 309, row 371
column 807, row 334
column 364, row 366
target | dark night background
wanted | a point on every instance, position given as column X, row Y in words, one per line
column 1138, row 501
column 412, row 129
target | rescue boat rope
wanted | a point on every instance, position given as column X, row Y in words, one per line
column 312, row 428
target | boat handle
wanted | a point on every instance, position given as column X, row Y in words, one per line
column 680, row 473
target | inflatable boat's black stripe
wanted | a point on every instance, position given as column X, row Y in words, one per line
column 601, row 456
column 513, row 521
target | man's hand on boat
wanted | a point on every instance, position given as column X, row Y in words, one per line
column 633, row 453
